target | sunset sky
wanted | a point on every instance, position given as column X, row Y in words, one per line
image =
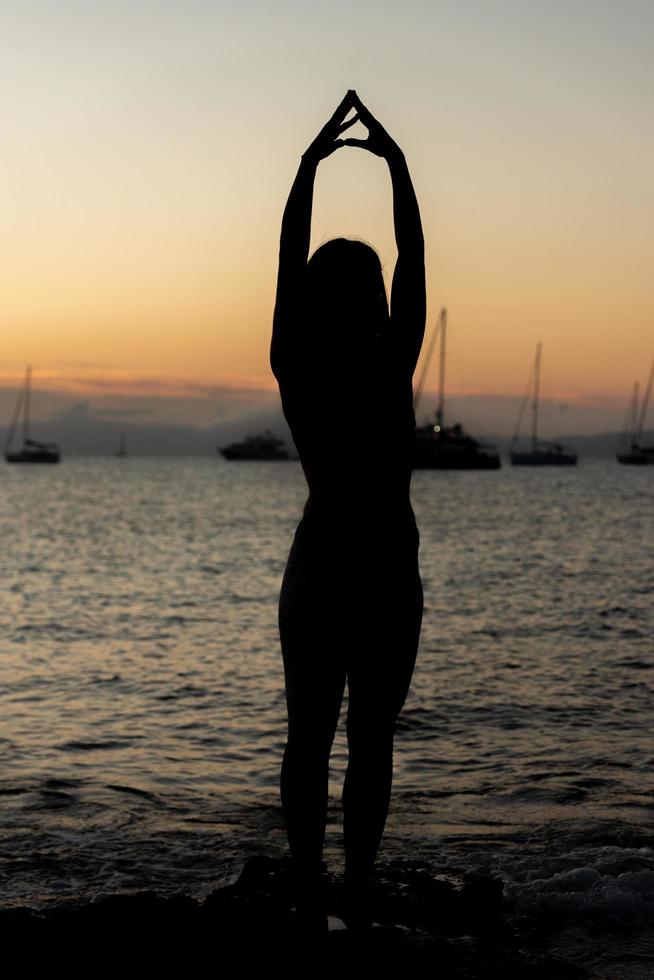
column 148, row 148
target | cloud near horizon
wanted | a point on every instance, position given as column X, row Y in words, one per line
column 170, row 401
column 158, row 399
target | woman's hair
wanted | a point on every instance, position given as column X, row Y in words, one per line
column 344, row 293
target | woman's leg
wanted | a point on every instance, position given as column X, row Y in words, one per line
column 315, row 681
column 379, row 675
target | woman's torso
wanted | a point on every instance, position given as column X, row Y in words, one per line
column 354, row 432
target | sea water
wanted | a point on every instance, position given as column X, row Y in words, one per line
column 142, row 706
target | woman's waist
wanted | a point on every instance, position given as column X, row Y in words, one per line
column 380, row 526
column 374, row 507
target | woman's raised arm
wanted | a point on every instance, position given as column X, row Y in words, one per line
column 296, row 232
column 408, row 294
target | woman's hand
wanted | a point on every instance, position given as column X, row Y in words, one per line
column 327, row 139
column 378, row 141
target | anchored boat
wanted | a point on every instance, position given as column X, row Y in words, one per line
column 637, row 454
column 441, row 447
column 541, row 453
column 32, row 451
column 260, row 447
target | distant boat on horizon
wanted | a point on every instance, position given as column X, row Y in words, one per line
column 637, row 454
column 541, row 453
column 441, row 447
column 265, row 446
column 32, row 451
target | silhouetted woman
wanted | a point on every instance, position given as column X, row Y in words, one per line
column 351, row 599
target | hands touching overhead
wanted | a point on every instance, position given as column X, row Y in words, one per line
column 327, row 140
column 378, row 141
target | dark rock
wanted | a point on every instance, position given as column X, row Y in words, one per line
column 460, row 930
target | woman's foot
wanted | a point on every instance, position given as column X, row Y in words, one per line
column 357, row 910
column 311, row 904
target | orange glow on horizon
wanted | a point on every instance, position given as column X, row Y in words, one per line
column 143, row 187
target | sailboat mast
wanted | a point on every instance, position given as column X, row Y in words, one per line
column 425, row 367
column 26, row 404
column 643, row 411
column 534, row 407
column 14, row 419
column 633, row 422
column 441, row 370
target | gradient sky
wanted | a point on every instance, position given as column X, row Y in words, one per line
column 148, row 148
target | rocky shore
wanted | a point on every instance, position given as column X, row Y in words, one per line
column 464, row 929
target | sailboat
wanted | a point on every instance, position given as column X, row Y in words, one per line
column 637, row 454
column 441, row 447
column 32, row 451
column 541, row 453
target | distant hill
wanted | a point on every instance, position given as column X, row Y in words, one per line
column 600, row 446
column 85, row 435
